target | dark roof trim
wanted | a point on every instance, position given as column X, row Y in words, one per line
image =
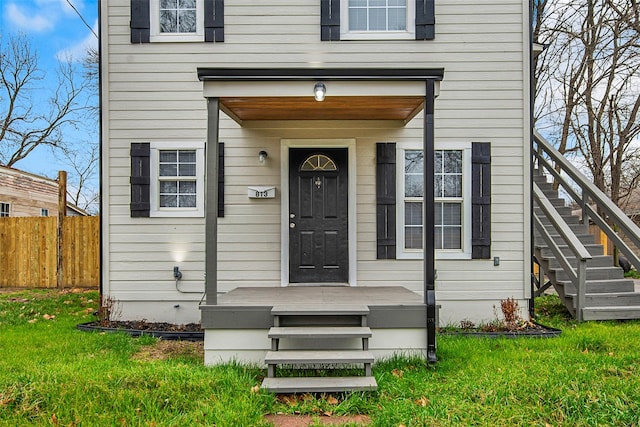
column 348, row 74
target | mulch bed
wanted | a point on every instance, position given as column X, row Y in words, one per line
column 136, row 328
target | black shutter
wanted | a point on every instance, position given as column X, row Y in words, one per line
column 213, row 20
column 221, row 180
column 386, row 200
column 425, row 19
column 481, row 200
column 329, row 20
column 140, row 23
column 140, row 171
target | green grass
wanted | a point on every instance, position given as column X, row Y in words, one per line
column 52, row 374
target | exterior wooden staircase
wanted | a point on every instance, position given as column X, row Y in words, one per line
column 587, row 281
column 322, row 336
column 608, row 294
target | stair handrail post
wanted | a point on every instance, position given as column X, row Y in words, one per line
column 602, row 201
column 581, row 288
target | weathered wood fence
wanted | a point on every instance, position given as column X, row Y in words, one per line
column 35, row 253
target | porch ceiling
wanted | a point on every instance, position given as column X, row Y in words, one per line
column 397, row 108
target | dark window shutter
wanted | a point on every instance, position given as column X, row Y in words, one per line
column 221, row 179
column 140, row 23
column 386, row 200
column 213, row 20
column 481, row 200
column 329, row 20
column 140, row 171
column 425, row 19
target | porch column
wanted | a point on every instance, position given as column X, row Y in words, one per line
column 428, row 220
column 211, row 202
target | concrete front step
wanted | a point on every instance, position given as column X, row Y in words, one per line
column 600, row 286
column 611, row 313
column 610, row 299
column 318, row 357
column 319, row 384
column 320, row 332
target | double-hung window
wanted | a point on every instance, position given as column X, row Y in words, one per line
column 177, row 20
column 4, row 209
column 177, row 179
column 378, row 19
column 452, row 201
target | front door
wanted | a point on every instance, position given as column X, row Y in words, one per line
column 318, row 215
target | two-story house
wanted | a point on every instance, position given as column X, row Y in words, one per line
column 315, row 153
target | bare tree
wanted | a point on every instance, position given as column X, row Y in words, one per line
column 588, row 96
column 27, row 122
column 83, row 167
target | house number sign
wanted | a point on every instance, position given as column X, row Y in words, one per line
column 261, row 192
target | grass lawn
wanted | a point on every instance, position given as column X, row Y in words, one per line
column 53, row 375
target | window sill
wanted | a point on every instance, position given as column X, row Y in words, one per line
column 381, row 35
column 439, row 255
column 176, row 38
column 177, row 213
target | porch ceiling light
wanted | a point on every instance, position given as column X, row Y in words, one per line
column 319, row 91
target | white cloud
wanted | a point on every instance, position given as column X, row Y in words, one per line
column 78, row 51
column 28, row 23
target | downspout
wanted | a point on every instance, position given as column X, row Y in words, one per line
column 429, row 219
column 531, row 121
column 100, row 147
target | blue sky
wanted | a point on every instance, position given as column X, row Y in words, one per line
column 56, row 31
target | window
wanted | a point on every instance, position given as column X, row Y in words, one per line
column 378, row 19
column 452, row 192
column 4, row 210
column 177, row 20
column 44, row 212
column 177, row 179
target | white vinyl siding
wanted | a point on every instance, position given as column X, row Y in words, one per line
column 151, row 92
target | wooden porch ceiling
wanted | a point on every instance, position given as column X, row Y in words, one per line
column 397, row 108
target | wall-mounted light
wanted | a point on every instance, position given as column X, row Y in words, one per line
column 177, row 274
column 262, row 156
column 319, row 91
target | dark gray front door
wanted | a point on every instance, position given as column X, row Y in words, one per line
column 318, row 215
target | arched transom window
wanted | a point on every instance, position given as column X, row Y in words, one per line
column 318, row 162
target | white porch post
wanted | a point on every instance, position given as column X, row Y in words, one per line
column 211, row 202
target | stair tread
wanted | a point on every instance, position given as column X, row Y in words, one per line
column 319, row 384
column 319, row 309
column 320, row 332
column 614, row 308
column 318, row 356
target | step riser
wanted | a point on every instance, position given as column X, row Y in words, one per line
column 611, row 315
column 592, row 249
column 563, row 211
column 598, row 261
column 585, row 239
column 592, row 274
column 595, row 288
column 632, row 299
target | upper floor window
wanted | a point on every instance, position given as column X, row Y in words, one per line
column 177, row 20
column 44, row 212
column 378, row 19
column 4, row 210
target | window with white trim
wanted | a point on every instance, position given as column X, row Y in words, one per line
column 44, row 212
column 177, row 179
column 452, row 201
column 5, row 209
column 177, row 20
column 377, row 19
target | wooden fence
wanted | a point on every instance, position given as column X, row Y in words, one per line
column 33, row 256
